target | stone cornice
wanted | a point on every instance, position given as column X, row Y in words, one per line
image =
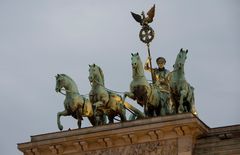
column 117, row 135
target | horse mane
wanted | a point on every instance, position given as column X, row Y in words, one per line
column 68, row 78
column 178, row 58
column 175, row 66
column 101, row 74
column 140, row 69
column 139, row 60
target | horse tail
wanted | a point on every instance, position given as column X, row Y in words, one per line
column 192, row 101
column 191, row 95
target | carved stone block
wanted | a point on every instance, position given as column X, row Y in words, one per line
column 166, row 147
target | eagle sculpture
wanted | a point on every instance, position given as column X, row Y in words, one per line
column 142, row 19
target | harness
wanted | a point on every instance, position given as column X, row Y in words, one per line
column 84, row 101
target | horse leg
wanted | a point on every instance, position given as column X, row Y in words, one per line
column 146, row 111
column 100, row 118
column 170, row 106
column 123, row 117
column 97, row 105
column 192, row 106
column 110, row 119
column 173, row 103
column 163, row 104
column 97, row 120
column 163, row 109
column 181, row 108
column 122, row 113
column 149, row 111
column 79, row 122
column 79, row 118
column 59, row 114
column 104, row 119
column 154, row 112
column 193, row 109
column 92, row 120
column 192, row 100
column 96, row 112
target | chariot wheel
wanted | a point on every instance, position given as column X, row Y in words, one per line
column 146, row 34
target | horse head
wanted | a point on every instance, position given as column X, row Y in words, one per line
column 180, row 60
column 64, row 81
column 60, row 82
column 137, row 66
column 95, row 74
column 135, row 60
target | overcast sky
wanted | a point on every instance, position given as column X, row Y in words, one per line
column 39, row 39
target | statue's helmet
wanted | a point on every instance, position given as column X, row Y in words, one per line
column 160, row 58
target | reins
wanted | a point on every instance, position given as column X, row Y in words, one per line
column 117, row 92
column 70, row 92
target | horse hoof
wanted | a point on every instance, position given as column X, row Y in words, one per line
column 60, row 127
column 195, row 113
column 180, row 110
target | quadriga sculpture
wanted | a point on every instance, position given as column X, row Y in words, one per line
column 74, row 104
column 147, row 95
column 181, row 91
column 105, row 101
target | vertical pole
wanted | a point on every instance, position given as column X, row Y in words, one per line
column 150, row 62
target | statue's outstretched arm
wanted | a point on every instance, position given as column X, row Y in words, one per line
column 147, row 65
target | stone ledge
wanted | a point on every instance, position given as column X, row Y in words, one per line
column 221, row 141
column 157, row 131
column 165, row 120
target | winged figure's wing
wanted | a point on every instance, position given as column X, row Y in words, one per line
column 151, row 13
column 137, row 17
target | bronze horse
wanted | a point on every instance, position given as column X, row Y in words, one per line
column 75, row 105
column 104, row 102
column 147, row 95
column 181, row 91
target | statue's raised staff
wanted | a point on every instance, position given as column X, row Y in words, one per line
column 181, row 91
column 106, row 101
column 75, row 105
column 146, row 34
column 146, row 95
column 159, row 75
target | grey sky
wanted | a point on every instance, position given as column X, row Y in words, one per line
column 39, row 39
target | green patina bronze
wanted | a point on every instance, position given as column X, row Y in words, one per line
column 181, row 91
column 149, row 96
column 169, row 93
column 106, row 101
column 146, row 34
column 75, row 105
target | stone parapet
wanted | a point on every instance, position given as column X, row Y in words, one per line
column 168, row 135
column 219, row 141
